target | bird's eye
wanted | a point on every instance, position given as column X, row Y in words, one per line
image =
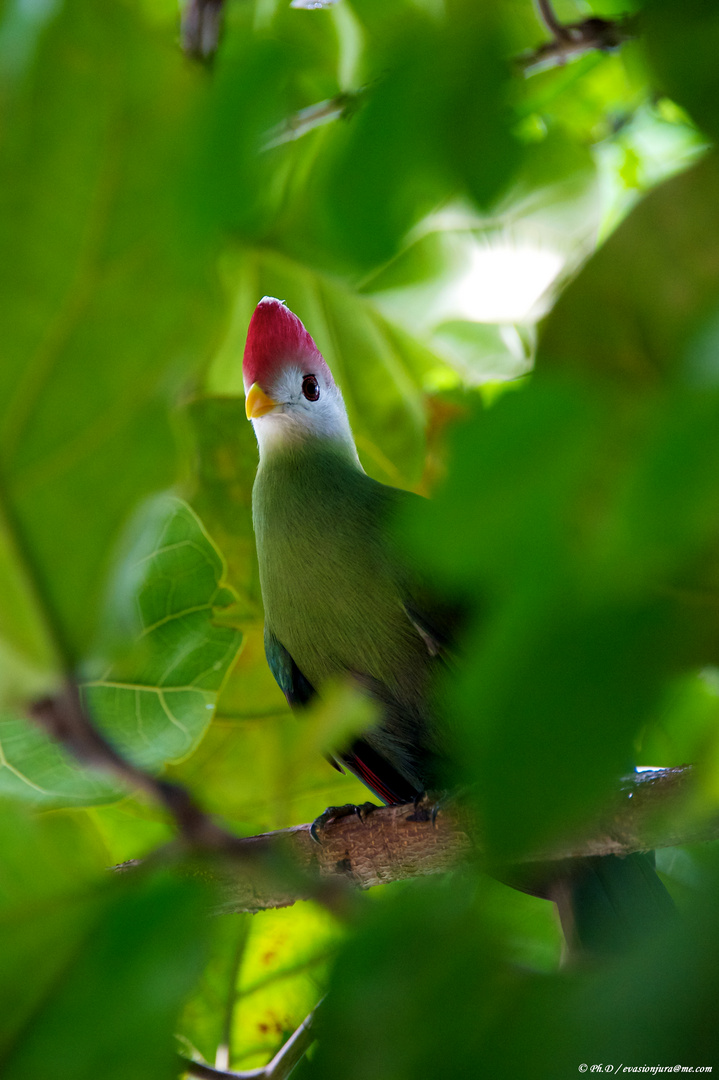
column 310, row 388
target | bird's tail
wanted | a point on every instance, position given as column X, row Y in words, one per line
column 610, row 903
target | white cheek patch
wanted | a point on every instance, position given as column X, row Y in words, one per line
column 296, row 419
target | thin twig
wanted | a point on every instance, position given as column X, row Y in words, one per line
column 545, row 14
column 265, row 869
column 200, row 27
column 64, row 718
column 279, row 1068
column 570, row 41
column 324, row 112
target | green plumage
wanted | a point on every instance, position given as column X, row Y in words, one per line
column 337, row 598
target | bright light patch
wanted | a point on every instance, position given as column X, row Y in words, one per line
column 498, row 279
column 504, row 282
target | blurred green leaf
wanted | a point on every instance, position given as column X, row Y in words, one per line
column 206, row 1021
column 683, row 53
column 28, row 662
column 242, row 771
column 571, row 551
column 590, row 96
column 48, row 891
column 233, row 186
column 686, row 727
column 422, row 988
column 64, row 931
column 435, row 122
column 633, row 312
column 224, row 463
column 130, row 828
column 107, row 297
column 418, row 989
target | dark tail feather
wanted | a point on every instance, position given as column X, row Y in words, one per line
column 609, row 904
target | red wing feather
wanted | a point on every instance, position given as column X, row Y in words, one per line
column 377, row 774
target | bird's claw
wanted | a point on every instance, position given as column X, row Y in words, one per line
column 427, row 806
column 335, row 813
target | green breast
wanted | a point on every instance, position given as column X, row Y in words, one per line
column 331, row 583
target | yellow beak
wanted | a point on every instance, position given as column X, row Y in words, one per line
column 257, row 403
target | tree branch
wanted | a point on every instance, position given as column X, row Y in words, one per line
column 64, row 718
column 390, row 843
column 570, row 41
column 396, row 842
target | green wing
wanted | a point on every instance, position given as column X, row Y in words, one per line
column 296, row 688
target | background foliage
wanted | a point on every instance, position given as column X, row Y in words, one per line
column 437, row 240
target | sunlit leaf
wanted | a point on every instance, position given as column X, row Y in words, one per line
column 265, row 773
column 435, row 121
column 283, row 977
column 156, row 701
column 266, row 974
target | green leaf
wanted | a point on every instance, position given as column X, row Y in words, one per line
column 233, row 184
column 110, row 959
column 50, row 871
column 28, row 661
column 575, row 557
column 267, row 973
column 157, row 703
column 156, row 700
column 419, row 988
column 651, row 1006
column 648, row 295
column 682, row 52
column 466, row 276
column 107, row 301
column 247, row 772
column 220, row 488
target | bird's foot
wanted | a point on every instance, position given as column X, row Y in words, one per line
column 428, row 805
column 335, row 813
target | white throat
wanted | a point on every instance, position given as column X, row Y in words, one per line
column 295, row 420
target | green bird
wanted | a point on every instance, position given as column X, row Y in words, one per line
column 340, row 601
